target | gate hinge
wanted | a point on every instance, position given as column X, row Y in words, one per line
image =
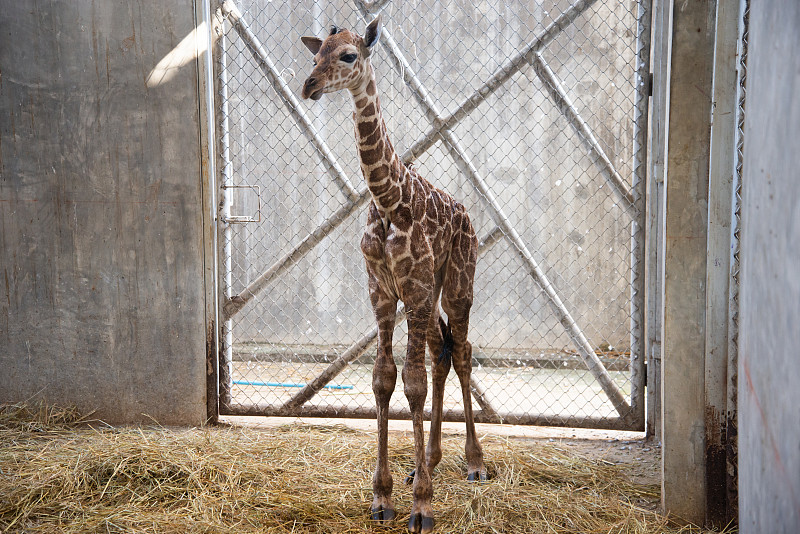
column 644, row 373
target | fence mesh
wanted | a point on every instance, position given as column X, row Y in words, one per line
column 548, row 152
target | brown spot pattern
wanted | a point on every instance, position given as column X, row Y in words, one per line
column 417, row 238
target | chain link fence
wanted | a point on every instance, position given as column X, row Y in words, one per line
column 532, row 114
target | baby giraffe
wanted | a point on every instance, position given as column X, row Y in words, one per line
column 419, row 246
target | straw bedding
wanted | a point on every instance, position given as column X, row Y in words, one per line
column 60, row 474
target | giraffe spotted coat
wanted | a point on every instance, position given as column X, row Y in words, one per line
column 420, row 247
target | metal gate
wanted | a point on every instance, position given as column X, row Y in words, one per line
column 532, row 114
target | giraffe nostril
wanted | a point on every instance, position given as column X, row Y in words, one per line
column 310, row 89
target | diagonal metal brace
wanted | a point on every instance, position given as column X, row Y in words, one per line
column 565, row 106
column 585, row 349
column 354, row 351
column 234, row 304
column 500, row 76
column 230, row 10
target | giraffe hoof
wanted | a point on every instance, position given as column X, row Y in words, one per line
column 410, row 478
column 382, row 515
column 420, row 524
column 477, row 476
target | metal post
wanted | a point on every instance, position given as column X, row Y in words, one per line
column 226, row 334
column 209, row 174
column 639, row 184
column 731, row 427
column 722, row 167
column 685, row 253
column 662, row 16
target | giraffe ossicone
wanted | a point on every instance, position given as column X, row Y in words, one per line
column 419, row 247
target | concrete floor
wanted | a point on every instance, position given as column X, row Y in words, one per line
column 519, row 390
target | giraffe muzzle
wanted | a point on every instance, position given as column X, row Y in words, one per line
column 310, row 89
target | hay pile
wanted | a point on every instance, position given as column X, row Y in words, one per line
column 57, row 475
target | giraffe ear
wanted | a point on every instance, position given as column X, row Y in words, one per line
column 312, row 43
column 373, row 33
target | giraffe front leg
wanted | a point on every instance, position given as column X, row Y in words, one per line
column 440, row 347
column 415, row 383
column 384, row 377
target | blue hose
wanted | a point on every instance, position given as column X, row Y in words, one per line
column 284, row 384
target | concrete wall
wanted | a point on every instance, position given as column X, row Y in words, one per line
column 769, row 360
column 102, row 299
column 685, row 260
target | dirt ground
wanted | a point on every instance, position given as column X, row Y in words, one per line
column 639, row 457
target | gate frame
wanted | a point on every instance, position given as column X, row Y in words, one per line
column 206, row 91
column 632, row 417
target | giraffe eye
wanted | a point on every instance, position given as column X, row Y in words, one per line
column 348, row 58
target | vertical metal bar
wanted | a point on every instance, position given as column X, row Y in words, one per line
column 209, row 175
column 226, row 332
column 722, row 167
column 685, row 236
column 720, row 214
column 731, row 428
column 638, row 305
column 662, row 16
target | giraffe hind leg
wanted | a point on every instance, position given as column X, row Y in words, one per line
column 446, row 354
column 416, row 388
column 457, row 303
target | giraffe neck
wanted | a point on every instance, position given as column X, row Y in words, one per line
column 384, row 173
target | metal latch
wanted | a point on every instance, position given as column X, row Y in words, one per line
column 237, row 219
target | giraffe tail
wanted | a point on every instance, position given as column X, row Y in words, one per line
column 447, row 343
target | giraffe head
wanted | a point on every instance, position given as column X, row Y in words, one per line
column 340, row 60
